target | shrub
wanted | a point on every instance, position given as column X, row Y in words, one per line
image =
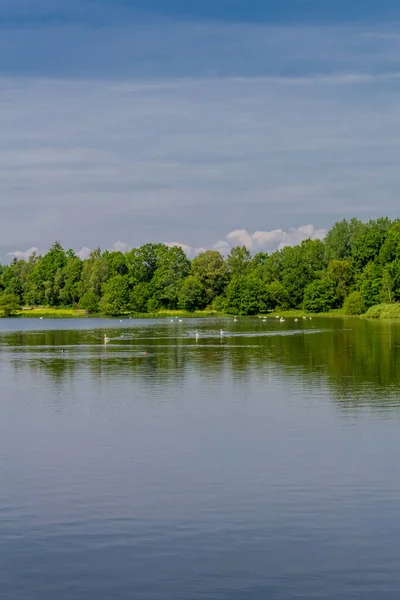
column 384, row 311
column 89, row 302
column 9, row 304
column 354, row 304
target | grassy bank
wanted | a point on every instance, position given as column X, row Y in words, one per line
column 72, row 313
column 52, row 313
column 299, row 314
column 383, row 311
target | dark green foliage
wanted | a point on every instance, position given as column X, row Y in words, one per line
column 357, row 264
column 211, row 270
column 89, row 302
column 173, row 267
column 319, row 296
column 370, row 284
column 115, row 300
column 192, row 294
column 246, row 295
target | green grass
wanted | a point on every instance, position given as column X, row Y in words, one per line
column 73, row 313
column 52, row 313
column 296, row 313
column 383, row 311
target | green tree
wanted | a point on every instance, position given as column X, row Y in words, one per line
column 192, row 294
column 94, row 274
column 173, row 267
column 341, row 238
column 354, row 304
column 143, row 262
column 239, row 261
column 276, row 296
column 339, row 273
column 70, row 276
column 319, row 296
column 390, row 249
column 116, row 263
column 300, row 266
column 140, row 297
column 115, row 299
column 367, row 246
column 89, row 302
column 370, row 283
column 246, row 295
column 211, row 270
column 9, row 304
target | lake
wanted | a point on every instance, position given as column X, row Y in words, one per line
column 260, row 464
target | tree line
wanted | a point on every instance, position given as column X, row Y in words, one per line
column 356, row 266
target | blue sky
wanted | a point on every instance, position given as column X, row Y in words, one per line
column 202, row 123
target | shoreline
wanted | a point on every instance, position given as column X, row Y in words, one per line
column 71, row 313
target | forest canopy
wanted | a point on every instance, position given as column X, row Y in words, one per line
column 356, row 266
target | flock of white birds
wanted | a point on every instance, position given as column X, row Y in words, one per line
column 221, row 331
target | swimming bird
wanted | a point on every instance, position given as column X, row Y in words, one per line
column 172, row 320
column 295, row 320
column 221, row 333
column 310, row 318
column 277, row 317
column 264, row 320
column 106, row 339
column 40, row 318
column 180, row 321
column 304, row 318
column 235, row 320
column 197, row 335
column 282, row 319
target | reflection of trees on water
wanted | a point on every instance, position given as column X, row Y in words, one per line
column 358, row 359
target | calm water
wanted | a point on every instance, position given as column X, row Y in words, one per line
column 260, row 465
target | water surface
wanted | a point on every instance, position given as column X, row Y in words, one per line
column 262, row 463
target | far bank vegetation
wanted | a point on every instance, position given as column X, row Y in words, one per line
column 355, row 269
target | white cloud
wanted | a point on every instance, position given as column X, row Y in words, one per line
column 259, row 241
column 23, row 254
column 121, row 247
column 84, row 252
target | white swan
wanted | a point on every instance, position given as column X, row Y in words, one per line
column 295, row 320
column 197, row 335
column 106, row 339
column 282, row 319
column 221, row 333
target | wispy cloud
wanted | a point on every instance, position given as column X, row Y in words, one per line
column 186, row 130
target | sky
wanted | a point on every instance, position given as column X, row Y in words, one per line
column 206, row 124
